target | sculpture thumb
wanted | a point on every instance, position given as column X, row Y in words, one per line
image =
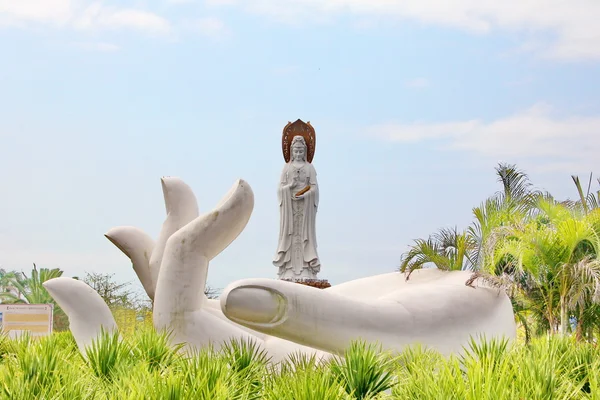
column 412, row 314
column 301, row 314
column 87, row 312
column 182, row 207
column 138, row 246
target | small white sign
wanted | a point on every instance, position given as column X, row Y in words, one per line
column 36, row 319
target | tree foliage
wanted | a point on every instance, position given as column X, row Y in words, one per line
column 544, row 252
column 115, row 294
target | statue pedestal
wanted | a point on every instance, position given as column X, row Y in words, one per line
column 316, row 283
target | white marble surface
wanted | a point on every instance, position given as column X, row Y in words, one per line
column 433, row 308
column 88, row 313
column 296, row 256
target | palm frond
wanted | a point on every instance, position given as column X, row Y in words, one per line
column 515, row 182
column 582, row 197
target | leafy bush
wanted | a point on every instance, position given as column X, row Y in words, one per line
column 364, row 371
column 146, row 365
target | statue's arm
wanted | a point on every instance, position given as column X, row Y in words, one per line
column 314, row 186
column 283, row 181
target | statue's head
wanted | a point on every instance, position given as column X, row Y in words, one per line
column 298, row 148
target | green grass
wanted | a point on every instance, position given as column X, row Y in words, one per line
column 144, row 366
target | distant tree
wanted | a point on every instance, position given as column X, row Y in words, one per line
column 115, row 294
column 211, row 292
column 6, row 286
column 120, row 294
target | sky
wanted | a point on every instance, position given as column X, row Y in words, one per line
column 414, row 103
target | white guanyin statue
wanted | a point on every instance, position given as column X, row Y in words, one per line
column 298, row 195
column 434, row 308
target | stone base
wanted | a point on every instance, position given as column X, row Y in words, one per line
column 316, row 283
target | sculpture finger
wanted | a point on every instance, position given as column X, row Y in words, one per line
column 86, row 310
column 181, row 207
column 277, row 348
column 302, row 314
column 138, row 246
column 182, row 276
column 225, row 223
column 219, row 314
column 443, row 317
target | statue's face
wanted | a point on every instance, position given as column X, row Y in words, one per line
column 298, row 153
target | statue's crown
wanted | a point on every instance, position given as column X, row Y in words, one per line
column 299, row 128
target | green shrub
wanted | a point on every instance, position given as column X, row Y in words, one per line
column 108, row 354
column 146, row 365
column 364, row 371
column 155, row 349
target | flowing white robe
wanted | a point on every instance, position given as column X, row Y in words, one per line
column 296, row 255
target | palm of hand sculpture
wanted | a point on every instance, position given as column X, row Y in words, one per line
column 434, row 307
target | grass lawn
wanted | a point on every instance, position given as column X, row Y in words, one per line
column 143, row 366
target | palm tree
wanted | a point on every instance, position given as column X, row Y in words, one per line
column 511, row 205
column 30, row 289
column 448, row 250
column 587, row 201
column 544, row 253
column 556, row 252
column 6, row 278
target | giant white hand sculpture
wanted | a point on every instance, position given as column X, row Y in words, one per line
column 434, row 308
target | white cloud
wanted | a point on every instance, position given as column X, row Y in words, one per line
column 534, row 136
column 418, row 83
column 220, row 2
column 79, row 15
column 208, row 26
column 97, row 16
column 573, row 24
column 14, row 12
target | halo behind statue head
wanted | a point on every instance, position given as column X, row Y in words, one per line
column 299, row 128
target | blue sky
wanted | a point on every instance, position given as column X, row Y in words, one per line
column 414, row 103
